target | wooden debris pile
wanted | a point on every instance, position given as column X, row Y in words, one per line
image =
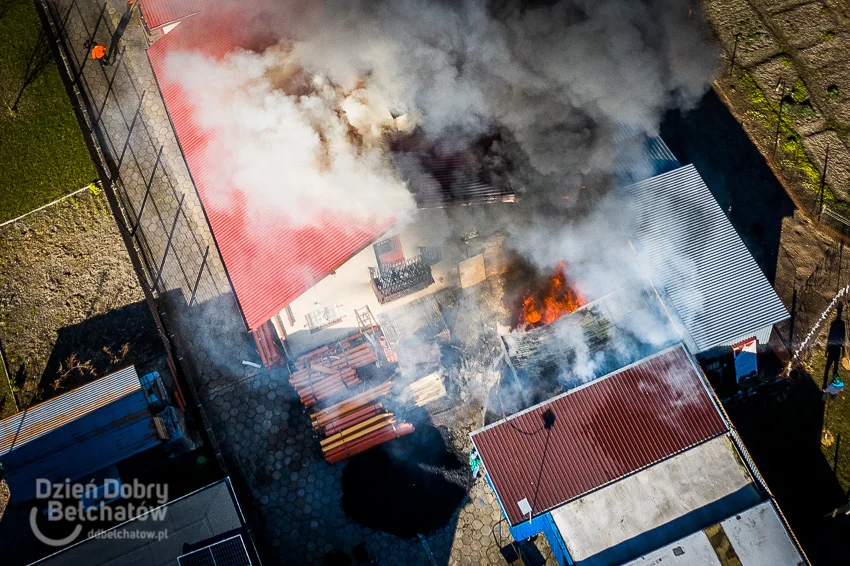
column 325, row 373
column 356, row 421
column 426, row 389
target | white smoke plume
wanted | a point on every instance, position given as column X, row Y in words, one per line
column 557, row 77
column 298, row 154
column 303, row 125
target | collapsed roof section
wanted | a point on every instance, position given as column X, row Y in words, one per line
column 596, row 339
column 453, row 172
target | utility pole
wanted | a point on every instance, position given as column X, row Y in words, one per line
column 734, row 52
column 823, row 179
column 779, row 120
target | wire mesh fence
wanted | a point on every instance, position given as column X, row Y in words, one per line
column 126, row 116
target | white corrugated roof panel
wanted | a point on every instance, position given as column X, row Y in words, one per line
column 756, row 537
column 696, row 256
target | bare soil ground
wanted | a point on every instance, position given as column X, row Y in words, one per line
column 791, row 59
column 71, row 308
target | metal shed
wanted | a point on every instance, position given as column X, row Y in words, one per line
column 699, row 262
column 76, row 433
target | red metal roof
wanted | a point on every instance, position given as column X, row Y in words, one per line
column 158, row 13
column 603, row 431
column 272, row 267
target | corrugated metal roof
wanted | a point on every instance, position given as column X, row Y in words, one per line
column 715, row 285
column 639, row 155
column 77, row 433
column 603, row 431
column 272, row 267
column 41, row 419
column 158, row 13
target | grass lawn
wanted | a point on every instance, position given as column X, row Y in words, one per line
column 836, row 421
column 7, row 397
column 42, row 153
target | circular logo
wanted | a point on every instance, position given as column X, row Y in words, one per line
column 48, row 540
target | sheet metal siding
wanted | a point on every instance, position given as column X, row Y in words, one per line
column 41, row 419
column 268, row 268
column 639, row 155
column 603, row 432
column 77, row 449
column 715, row 285
column 158, row 13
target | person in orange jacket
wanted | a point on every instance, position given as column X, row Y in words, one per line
column 98, row 52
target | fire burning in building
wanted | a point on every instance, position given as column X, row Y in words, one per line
column 556, row 298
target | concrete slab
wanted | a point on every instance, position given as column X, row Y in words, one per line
column 658, row 505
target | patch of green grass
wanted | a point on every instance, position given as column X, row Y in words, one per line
column 42, row 152
column 833, row 93
column 786, row 61
column 800, row 93
column 766, row 112
column 827, row 35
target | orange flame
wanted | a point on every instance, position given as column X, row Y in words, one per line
column 556, row 299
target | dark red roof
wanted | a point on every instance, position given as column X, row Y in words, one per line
column 272, row 267
column 603, row 431
column 158, row 13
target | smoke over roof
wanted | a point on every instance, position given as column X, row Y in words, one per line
column 304, row 115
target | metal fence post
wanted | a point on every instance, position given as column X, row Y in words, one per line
column 168, row 244
column 198, row 279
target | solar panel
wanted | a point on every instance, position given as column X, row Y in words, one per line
column 228, row 552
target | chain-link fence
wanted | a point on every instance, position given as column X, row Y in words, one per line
column 146, row 178
column 127, row 118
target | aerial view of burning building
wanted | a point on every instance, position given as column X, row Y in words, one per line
column 470, row 269
column 358, row 224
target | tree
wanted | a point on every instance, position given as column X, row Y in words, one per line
column 40, row 58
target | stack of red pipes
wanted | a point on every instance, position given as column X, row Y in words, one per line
column 326, row 372
column 357, row 424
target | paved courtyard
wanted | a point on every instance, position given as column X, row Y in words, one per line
column 292, row 497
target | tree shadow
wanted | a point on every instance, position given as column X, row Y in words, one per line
column 97, row 347
column 746, row 189
column 781, row 428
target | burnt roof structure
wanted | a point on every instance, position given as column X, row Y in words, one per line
column 453, row 172
column 548, row 354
